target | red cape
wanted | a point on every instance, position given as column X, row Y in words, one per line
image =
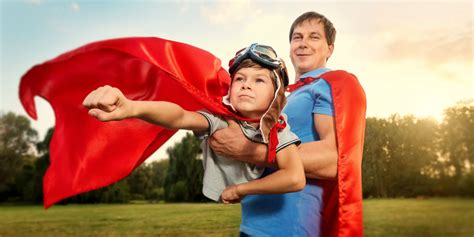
column 342, row 198
column 87, row 154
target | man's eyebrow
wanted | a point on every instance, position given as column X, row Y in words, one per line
column 296, row 33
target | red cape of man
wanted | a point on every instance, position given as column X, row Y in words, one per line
column 87, row 154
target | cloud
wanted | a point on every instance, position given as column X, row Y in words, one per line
column 75, row 7
column 227, row 12
column 434, row 47
column 442, row 50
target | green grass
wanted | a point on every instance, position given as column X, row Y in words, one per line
column 382, row 217
column 413, row 217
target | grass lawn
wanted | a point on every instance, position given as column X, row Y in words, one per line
column 382, row 217
column 412, row 217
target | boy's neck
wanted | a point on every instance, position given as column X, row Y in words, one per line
column 255, row 125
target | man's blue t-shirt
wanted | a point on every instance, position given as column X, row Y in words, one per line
column 297, row 213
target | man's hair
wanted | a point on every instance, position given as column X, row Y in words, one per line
column 249, row 63
column 329, row 29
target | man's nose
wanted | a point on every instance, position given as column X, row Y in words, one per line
column 303, row 42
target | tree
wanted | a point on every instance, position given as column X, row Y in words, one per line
column 140, row 182
column 183, row 181
column 159, row 170
column 396, row 152
column 41, row 165
column 17, row 141
column 374, row 158
column 457, row 146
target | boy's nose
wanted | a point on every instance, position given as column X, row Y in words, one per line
column 246, row 85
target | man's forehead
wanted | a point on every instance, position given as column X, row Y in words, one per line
column 316, row 26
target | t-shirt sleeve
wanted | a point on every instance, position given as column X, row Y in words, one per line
column 286, row 137
column 323, row 102
column 215, row 123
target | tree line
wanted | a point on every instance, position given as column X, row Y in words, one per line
column 404, row 156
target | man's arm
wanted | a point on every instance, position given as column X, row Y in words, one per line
column 231, row 142
column 319, row 157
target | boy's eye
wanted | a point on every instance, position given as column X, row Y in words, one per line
column 238, row 79
column 260, row 80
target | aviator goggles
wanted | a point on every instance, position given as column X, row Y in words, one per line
column 261, row 54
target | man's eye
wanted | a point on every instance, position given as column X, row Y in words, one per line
column 296, row 37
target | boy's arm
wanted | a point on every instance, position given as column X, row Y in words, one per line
column 108, row 104
column 288, row 178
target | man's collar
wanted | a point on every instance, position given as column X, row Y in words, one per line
column 315, row 73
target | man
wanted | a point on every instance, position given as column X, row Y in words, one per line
column 310, row 113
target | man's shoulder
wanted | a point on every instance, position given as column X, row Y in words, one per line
column 341, row 79
column 338, row 75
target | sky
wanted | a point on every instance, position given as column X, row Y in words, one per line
column 411, row 57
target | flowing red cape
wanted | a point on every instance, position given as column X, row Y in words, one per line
column 87, row 154
column 342, row 198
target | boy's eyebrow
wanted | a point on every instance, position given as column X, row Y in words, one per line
column 257, row 74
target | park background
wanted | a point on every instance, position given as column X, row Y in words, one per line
column 413, row 58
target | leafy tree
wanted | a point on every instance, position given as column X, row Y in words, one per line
column 115, row 193
column 396, row 152
column 159, row 171
column 183, row 181
column 457, row 147
column 140, row 182
column 17, row 141
column 374, row 158
column 457, row 137
column 41, row 165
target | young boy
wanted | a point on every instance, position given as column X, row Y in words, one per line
column 256, row 93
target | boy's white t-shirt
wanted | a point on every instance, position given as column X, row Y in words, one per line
column 219, row 171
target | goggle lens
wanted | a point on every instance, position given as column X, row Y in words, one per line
column 265, row 52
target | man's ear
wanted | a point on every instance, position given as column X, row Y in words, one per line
column 331, row 49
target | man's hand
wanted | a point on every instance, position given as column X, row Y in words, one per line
column 231, row 142
column 108, row 103
column 231, row 195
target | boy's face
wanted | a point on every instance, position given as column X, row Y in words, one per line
column 309, row 48
column 252, row 91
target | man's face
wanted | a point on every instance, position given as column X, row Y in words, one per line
column 252, row 91
column 309, row 49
